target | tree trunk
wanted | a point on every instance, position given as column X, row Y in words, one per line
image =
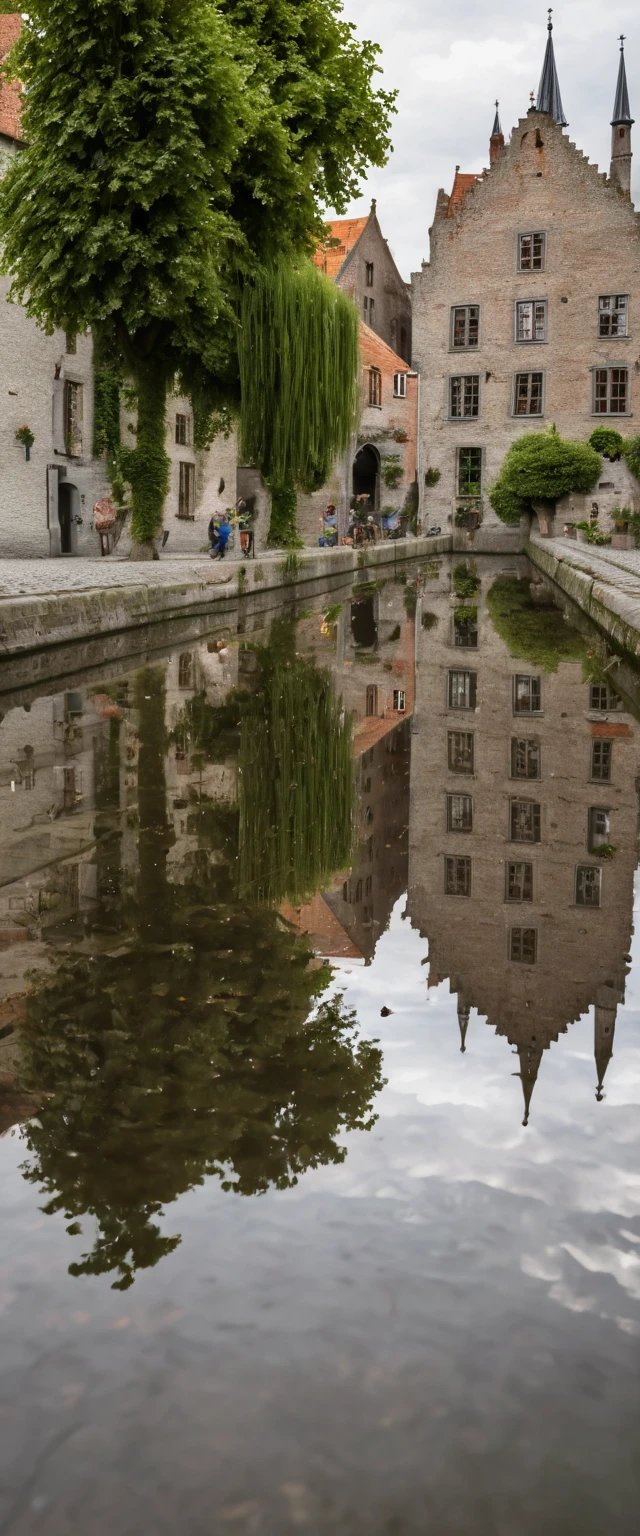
column 148, row 464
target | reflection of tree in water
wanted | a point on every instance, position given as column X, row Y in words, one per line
column 186, row 1050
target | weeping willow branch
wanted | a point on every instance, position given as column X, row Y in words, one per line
column 299, row 375
column 296, row 785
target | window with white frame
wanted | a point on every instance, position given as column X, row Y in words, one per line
column 462, row 690
column 523, row 945
column 519, row 882
column 457, row 877
column 531, row 320
column 531, row 251
column 613, row 313
column 610, row 391
column 527, row 394
column 464, row 395
column 465, row 325
column 459, row 813
column 526, row 694
column 400, row 385
column 375, row 386
column 399, row 700
column 588, row 885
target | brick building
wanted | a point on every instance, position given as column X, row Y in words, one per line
column 524, row 313
column 381, row 463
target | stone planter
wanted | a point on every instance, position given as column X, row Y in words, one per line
column 622, row 541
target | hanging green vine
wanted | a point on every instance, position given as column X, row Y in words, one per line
column 299, row 373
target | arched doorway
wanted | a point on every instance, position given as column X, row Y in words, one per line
column 366, row 474
column 67, row 512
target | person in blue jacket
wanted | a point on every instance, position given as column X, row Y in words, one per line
column 219, row 534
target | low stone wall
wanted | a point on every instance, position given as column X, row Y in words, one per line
column 616, row 611
column 34, row 623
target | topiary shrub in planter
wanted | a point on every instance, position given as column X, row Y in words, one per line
column 607, row 441
column 539, row 467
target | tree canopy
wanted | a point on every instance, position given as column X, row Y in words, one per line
column 542, row 466
column 175, row 149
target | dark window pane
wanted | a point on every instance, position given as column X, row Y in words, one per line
column 588, row 885
column 457, row 877
column 601, row 755
column 523, row 945
column 459, row 813
column 525, row 758
column 526, row 694
column 461, row 751
column 599, row 828
column 519, row 882
column 525, row 821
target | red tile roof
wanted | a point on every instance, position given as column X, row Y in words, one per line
column 462, row 184
column 10, row 99
column 346, row 232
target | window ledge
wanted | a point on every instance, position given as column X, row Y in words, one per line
column 604, row 415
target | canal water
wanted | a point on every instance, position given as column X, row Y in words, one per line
column 320, row 1074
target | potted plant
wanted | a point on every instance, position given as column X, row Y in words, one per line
column 621, row 538
column 25, row 436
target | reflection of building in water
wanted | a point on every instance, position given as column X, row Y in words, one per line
column 523, row 784
column 370, row 650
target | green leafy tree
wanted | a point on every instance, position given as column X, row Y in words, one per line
column 174, row 149
column 198, row 1042
column 542, row 466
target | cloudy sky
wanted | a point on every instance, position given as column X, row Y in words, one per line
column 450, row 59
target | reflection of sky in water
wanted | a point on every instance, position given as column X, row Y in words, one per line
column 439, row 1334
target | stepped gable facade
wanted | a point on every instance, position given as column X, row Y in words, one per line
column 527, row 312
column 357, row 258
column 519, row 778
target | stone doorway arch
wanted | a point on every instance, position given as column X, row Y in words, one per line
column 366, row 475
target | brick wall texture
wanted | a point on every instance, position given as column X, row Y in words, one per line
column 540, row 183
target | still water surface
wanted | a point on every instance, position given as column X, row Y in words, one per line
column 299, row 923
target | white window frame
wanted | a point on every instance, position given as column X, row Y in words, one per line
column 610, row 369
column 400, row 386
column 463, row 378
column 534, row 305
column 466, row 345
column 529, row 678
column 532, row 234
column 400, row 700
column 529, row 374
column 615, row 300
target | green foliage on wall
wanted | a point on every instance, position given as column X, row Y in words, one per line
column 631, row 451
column 147, row 466
column 282, row 527
column 391, row 471
column 299, row 373
column 542, row 466
column 466, row 581
column 607, row 441
column 533, row 631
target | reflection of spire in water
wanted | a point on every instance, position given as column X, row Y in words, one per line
column 463, row 1021
column 604, row 1030
column 530, row 1058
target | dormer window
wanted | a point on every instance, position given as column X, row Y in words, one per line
column 531, row 252
column 400, row 385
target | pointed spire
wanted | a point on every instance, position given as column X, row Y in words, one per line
column 604, row 1031
column 621, row 112
column 529, row 1066
column 549, row 99
column 496, row 122
column 463, row 1022
column 496, row 142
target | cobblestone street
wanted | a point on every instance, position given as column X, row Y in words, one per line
column 28, row 578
